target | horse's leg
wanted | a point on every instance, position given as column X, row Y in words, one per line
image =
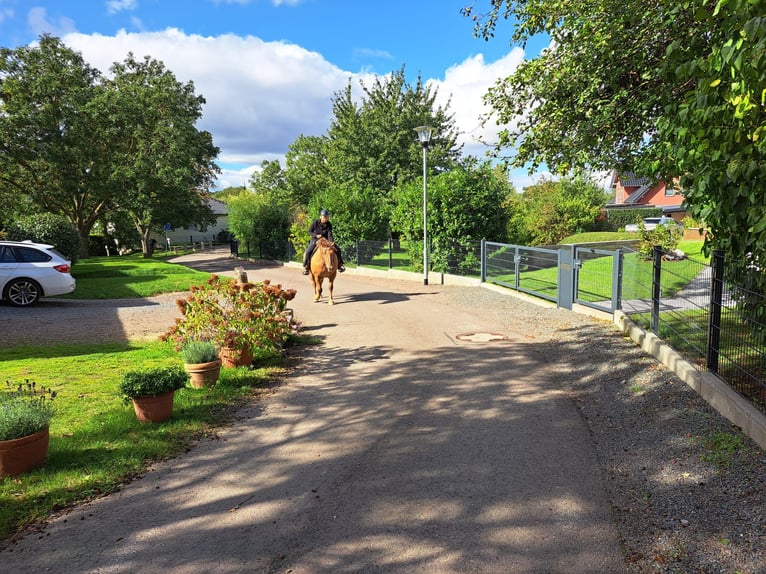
column 315, row 282
column 331, row 280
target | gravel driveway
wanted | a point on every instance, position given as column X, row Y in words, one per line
column 437, row 429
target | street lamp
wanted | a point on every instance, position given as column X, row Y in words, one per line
column 424, row 135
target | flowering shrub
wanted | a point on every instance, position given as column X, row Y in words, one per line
column 234, row 315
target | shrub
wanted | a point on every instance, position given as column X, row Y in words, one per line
column 234, row 315
column 150, row 382
column 51, row 229
column 194, row 352
column 666, row 236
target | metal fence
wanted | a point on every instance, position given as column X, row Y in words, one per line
column 704, row 311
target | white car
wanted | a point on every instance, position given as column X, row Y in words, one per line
column 30, row 270
column 652, row 222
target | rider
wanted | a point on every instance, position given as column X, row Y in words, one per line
column 321, row 228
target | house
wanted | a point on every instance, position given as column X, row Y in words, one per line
column 631, row 191
column 187, row 235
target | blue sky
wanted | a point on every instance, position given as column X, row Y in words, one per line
column 269, row 68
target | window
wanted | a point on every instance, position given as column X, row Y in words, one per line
column 28, row 255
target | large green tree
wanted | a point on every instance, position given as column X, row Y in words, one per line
column 664, row 87
column 78, row 144
column 54, row 157
column 162, row 165
column 371, row 143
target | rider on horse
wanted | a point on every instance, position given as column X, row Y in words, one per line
column 321, row 228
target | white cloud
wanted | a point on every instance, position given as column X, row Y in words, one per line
column 115, row 6
column 260, row 96
column 37, row 19
column 465, row 84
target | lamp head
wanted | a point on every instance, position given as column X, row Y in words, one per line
column 424, row 134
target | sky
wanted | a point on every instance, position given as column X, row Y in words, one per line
column 268, row 69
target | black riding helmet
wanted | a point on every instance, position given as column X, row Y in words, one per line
column 325, row 213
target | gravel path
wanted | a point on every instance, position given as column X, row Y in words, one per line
column 679, row 503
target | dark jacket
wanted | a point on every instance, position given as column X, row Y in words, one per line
column 319, row 228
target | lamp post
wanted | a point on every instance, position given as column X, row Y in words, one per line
column 424, row 135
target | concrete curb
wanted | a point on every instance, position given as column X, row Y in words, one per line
column 717, row 393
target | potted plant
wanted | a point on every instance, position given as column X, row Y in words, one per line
column 201, row 362
column 152, row 391
column 237, row 317
column 26, row 410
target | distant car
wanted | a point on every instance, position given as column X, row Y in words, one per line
column 652, row 222
column 30, row 270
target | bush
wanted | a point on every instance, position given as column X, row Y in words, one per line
column 239, row 316
column 152, row 382
column 619, row 218
column 666, row 236
column 195, row 352
column 47, row 228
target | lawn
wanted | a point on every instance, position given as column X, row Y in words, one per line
column 130, row 276
column 96, row 441
column 595, row 276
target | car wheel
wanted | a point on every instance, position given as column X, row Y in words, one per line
column 22, row 292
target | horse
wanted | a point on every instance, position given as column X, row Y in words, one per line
column 324, row 263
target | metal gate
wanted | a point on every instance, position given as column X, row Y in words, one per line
column 597, row 278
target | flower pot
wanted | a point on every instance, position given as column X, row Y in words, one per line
column 154, row 409
column 203, row 374
column 236, row 357
column 22, row 454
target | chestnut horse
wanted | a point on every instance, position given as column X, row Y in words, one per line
column 324, row 263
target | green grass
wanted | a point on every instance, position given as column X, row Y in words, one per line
column 96, row 441
column 131, row 276
column 596, row 276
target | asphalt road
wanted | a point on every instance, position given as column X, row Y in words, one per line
column 406, row 442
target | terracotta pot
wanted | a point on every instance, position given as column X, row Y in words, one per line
column 203, row 374
column 236, row 357
column 154, row 409
column 22, row 454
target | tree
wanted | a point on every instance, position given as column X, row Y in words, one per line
column 465, row 203
column 549, row 211
column 162, row 165
column 668, row 89
column 262, row 222
column 357, row 214
column 371, row 144
column 269, row 178
column 77, row 144
column 306, row 170
column 53, row 156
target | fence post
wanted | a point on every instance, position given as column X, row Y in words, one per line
column 617, row 280
column 390, row 252
column 483, row 261
column 566, row 271
column 656, row 290
column 714, row 315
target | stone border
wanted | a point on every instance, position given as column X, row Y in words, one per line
column 718, row 394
